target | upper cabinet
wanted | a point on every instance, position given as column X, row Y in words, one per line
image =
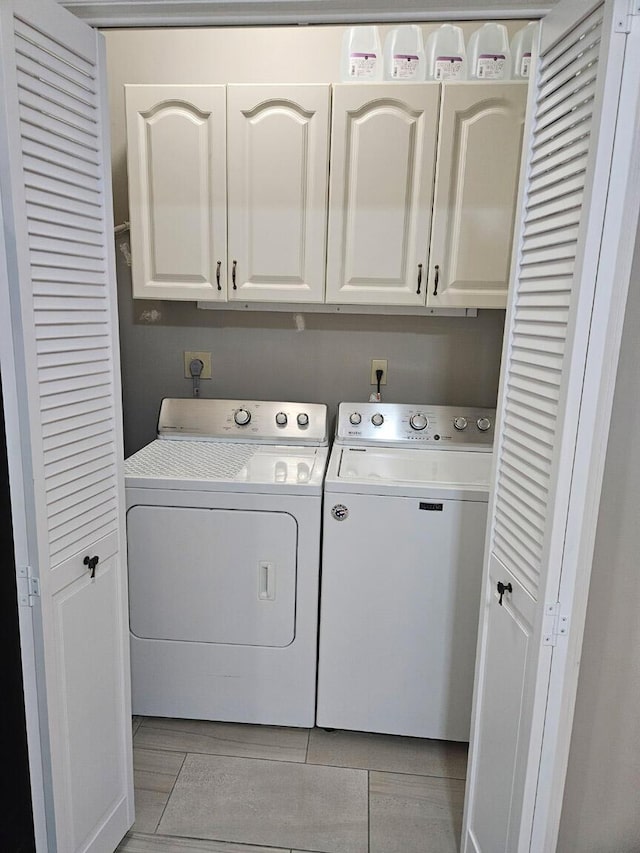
column 278, row 165
column 383, row 146
column 478, row 167
column 176, row 144
column 417, row 208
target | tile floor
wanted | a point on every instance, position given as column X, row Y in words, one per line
column 206, row 787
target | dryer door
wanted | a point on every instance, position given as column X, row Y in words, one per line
column 212, row 575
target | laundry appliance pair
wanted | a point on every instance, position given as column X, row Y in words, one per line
column 224, row 521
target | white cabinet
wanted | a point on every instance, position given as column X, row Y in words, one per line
column 478, row 166
column 254, row 159
column 383, row 144
column 276, row 171
column 176, row 139
column 278, row 163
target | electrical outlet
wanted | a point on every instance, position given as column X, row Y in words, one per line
column 378, row 364
column 205, row 358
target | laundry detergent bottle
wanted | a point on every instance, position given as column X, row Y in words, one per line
column 446, row 57
column 488, row 53
column 404, row 54
column 521, row 48
column 361, row 55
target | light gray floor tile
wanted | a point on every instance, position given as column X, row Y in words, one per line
column 270, row 803
column 156, row 770
column 141, row 843
column 388, row 752
column 274, row 742
column 154, row 774
column 421, row 814
column 149, row 806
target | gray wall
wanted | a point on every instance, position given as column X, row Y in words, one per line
column 262, row 355
column 601, row 808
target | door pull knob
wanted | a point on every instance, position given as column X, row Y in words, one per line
column 91, row 563
column 502, row 588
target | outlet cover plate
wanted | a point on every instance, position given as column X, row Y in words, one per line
column 205, row 358
column 378, row 364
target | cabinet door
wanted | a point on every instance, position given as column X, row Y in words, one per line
column 176, row 143
column 381, row 187
column 278, row 165
column 478, row 167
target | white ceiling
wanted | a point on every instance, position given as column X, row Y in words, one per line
column 150, row 13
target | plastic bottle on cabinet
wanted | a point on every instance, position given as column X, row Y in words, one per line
column 521, row 48
column 404, row 54
column 446, row 57
column 361, row 55
column 488, row 53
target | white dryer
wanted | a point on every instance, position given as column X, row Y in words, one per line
column 406, row 497
column 223, row 533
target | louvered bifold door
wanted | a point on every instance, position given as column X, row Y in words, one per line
column 565, row 180
column 63, row 300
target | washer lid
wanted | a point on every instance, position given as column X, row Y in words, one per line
column 221, row 466
column 445, row 473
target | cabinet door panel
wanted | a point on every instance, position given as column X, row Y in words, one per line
column 278, row 166
column 382, row 163
column 478, row 167
column 176, row 139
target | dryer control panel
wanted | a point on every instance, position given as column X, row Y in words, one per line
column 261, row 421
column 416, row 424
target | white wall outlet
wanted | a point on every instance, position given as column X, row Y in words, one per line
column 205, row 358
column 378, row 364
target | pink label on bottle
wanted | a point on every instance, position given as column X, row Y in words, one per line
column 447, row 67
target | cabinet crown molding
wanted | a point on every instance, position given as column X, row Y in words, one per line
column 147, row 13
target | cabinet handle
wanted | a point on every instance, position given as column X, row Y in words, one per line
column 218, row 265
column 419, row 278
column 436, row 279
column 91, row 563
column 233, row 274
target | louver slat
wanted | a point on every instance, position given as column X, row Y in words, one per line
column 542, row 301
column 58, row 111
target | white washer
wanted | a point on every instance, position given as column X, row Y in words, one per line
column 406, row 497
column 223, row 533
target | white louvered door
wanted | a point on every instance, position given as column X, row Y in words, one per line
column 545, row 390
column 57, row 198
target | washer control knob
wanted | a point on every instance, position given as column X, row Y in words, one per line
column 242, row 417
column 303, row 419
column 460, row 423
column 281, row 419
column 355, row 418
column 377, row 419
column 419, row 421
column 483, row 424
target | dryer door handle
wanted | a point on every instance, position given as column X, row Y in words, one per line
column 266, row 581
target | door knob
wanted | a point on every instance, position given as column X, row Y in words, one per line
column 502, row 588
column 91, row 563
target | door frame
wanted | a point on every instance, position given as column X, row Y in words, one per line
column 584, row 508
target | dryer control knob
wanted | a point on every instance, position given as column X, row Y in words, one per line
column 355, row 418
column 281, row 419
column 483, row 424
column 242, row 417
column 377, row 419
column 303, row 419
column 418, row 421
column 460, row 423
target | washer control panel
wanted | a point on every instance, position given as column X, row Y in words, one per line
column 244, row 420
column 419, row 425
